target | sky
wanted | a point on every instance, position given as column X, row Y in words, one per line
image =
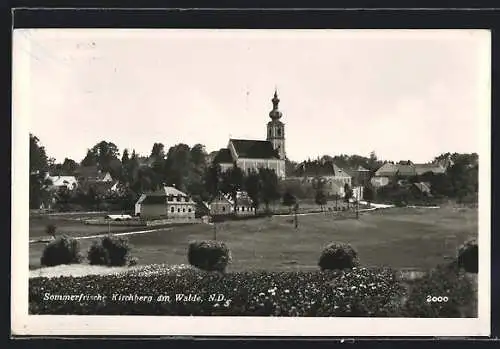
column 407, row 95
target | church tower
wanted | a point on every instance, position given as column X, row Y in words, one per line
column 276, row 129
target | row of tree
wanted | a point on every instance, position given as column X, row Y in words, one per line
column 189, row 169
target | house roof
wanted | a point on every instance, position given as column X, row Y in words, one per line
column 99, row 187
column 89, row 172
column 152, row 199
column 253, row 149
column 173, row 191
column 320, row 168
column 424, row 168
column 388, row 170
column 423, row 187
column 223, row 156
column 62, row 180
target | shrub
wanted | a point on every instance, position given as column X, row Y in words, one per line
column 209, row 255
column 51, row 230
column 444, row 281
column 63, row 250
column 338, row 256
column 467, row 257
column 356, row 292
column 110, row 251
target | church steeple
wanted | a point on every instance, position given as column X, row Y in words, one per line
column 275, row 114
column 275, row 128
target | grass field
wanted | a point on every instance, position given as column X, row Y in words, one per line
column 397, row 237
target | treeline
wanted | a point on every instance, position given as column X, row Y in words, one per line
column 187, row 168
column 191, row 171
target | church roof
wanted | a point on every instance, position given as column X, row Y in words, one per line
column 223, row 156
column 252, row 149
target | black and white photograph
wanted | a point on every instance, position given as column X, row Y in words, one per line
column 260, row 182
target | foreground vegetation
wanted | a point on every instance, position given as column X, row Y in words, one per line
column 353, row 292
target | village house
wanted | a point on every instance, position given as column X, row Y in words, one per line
column 250, row 154
column 223, row 205
column 61, row 182
column 92, row 174
column 332, row 177
column 388, row 172
column 169, row 203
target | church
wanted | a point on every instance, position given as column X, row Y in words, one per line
column 250, row 154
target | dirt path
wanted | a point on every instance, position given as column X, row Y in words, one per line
column 101, row 235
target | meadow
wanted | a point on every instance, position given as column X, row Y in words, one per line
column 397, row 238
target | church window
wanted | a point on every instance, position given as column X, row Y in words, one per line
column 189, row 209
column 223, row 209
column 242, row 208
column 179, row 210
column 279, row 132
column 172, row 210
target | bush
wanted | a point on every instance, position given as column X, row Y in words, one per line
column 338, row 256
column 110, row 251
column 209, row 255
column 467, row 257
column 444, row 281
column 63, row 250
column 357, row 292
column 51, row 229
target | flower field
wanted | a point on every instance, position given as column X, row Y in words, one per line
column 185, row 291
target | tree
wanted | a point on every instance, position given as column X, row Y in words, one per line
column 90, row 159
column 178, row 166
column 69, row 166
column 38, row 164
column 212, row 180
column 158, row 151
column 269, row 186
column 368, row 194
column 253, row 187
column 348, row 193
column 320, row 198
column 289, row 200
column 125, row 157
column 232, row 182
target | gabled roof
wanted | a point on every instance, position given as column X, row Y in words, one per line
column 223, row 156
column 98, row 187
column 424, row 168
column 89, row 173
column 423, row 187
column 389, row 170
column 154, row 199
column 173, row 191
column 62, row 180
column 252, row 149
column 320, row 168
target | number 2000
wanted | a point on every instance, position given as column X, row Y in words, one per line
column 434, row 299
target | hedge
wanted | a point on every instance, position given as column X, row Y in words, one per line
column 357, row 292
column 445, row 291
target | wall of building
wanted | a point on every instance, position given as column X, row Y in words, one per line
column 180, row 209
column 152, row 210
column 248, row 164
column 244, row 210
column 379, row 181
column 220, row 208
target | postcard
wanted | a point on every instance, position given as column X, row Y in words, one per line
column 251, row 182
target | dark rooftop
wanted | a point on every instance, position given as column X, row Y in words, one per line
column 252, row 149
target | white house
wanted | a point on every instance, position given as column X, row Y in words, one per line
column 58, row 182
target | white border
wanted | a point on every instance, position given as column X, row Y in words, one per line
column 24, row 324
